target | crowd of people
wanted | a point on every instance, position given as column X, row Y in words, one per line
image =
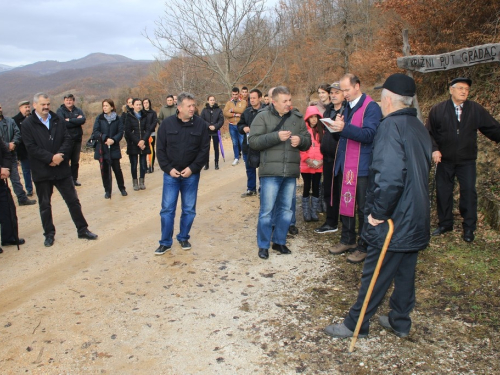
column 358, row 160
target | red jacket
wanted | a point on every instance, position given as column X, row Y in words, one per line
column 314, row 151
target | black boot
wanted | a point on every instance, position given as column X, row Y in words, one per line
column 216, row 164
column 206, row 166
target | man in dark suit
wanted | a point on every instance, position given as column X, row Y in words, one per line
column 49, row 146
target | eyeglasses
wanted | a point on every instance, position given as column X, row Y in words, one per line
column 462, row 88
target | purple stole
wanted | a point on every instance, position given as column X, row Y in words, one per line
column 351, row 165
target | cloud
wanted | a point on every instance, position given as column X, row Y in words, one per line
column 33, row 31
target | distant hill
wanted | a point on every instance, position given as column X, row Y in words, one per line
column 4, row 68
column 95, row 75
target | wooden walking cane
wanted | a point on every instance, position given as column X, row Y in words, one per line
column 372, row 284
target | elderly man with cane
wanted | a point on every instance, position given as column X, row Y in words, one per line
column 397, row 190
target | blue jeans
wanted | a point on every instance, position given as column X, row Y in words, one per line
column 276, row 195
column 237, row 139
column 28, row 182
column 251, row 175
column 188, row 187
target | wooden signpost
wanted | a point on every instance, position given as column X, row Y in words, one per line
column 485, row 53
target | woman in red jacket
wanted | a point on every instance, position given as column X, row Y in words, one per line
column 311, row 165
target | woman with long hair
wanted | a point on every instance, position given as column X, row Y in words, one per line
column 153, row 120
column 137, row 132
column 108, row 131
column 311, row 165
column 214, row 118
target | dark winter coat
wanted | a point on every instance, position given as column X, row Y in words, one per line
column 278, row 158
column 5, row 157
column 74, row 124
column 43, row 144
column 246, row 120
column 182, row 144
column 9, row 131
column 457, row 140
column 136, row 131
column 108, row 130
column 398, row 183
column 21, row 148
column 213, row 116
column 330, row 140
column 152, row 118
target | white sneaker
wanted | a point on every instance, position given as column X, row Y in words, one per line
column 235, row 162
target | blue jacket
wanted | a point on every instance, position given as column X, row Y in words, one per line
column 365, row 135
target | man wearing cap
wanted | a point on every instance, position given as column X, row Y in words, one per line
column 329, row 149
column 398, row 178
column 357, row 128
column 453, row 126
column 75, row 119
column 11, row 135
column 22, row 154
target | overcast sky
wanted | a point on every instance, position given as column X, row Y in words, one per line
column 39, row 30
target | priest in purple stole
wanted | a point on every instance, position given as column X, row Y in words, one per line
column 357, row 128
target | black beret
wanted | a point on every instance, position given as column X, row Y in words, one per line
column 461, row 79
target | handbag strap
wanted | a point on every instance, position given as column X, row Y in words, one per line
column 283, row 119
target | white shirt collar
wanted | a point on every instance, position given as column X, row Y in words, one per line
column 354, row 102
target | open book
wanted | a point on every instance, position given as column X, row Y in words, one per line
column 328, row 123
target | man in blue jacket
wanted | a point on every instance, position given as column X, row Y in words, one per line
column 397, row 190
column 357, row 128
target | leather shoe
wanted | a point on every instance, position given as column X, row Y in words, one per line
column 27, row 202
column 107, row 195
column 88, row 235
column 1, row 251
column 281, row 248
column 292, row 229
column 341, row 248
column 77, row 183
column 441, row 230
column 13, row 243
column 49, row 241
column 124, row 193
column 384, row 322
column 263, row 253
column 468, row 235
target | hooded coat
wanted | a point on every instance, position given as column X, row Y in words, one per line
column 314, row 151
column 137, row 130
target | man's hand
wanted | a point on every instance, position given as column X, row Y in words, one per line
column 246, row 129
column 373, row 221
column 4, row 173
column 284, row 135
column 175, row 173
column 338, row 124
column 109, row 141
column 436, row 157
column 12, row 146
column 211, row 127
column 57, row 159
column 141, row 144
column 295, row 140
column 186, row 172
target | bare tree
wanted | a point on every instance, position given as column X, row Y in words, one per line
column 222, row 37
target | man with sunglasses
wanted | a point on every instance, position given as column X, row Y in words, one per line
column 453, row 126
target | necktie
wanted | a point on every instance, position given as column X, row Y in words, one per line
column 459, row 112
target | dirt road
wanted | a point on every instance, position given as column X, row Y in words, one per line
column 111, row 306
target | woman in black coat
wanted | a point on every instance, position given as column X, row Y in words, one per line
column 153, row 120
column 108, row 130
column 137, row 132
column 212, row 115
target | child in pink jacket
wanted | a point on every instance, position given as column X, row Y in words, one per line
column 311, row 165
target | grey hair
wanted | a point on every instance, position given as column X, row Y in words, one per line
column 280, row 90
column 398, row 100
column 39, row 95
column 184, row 95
